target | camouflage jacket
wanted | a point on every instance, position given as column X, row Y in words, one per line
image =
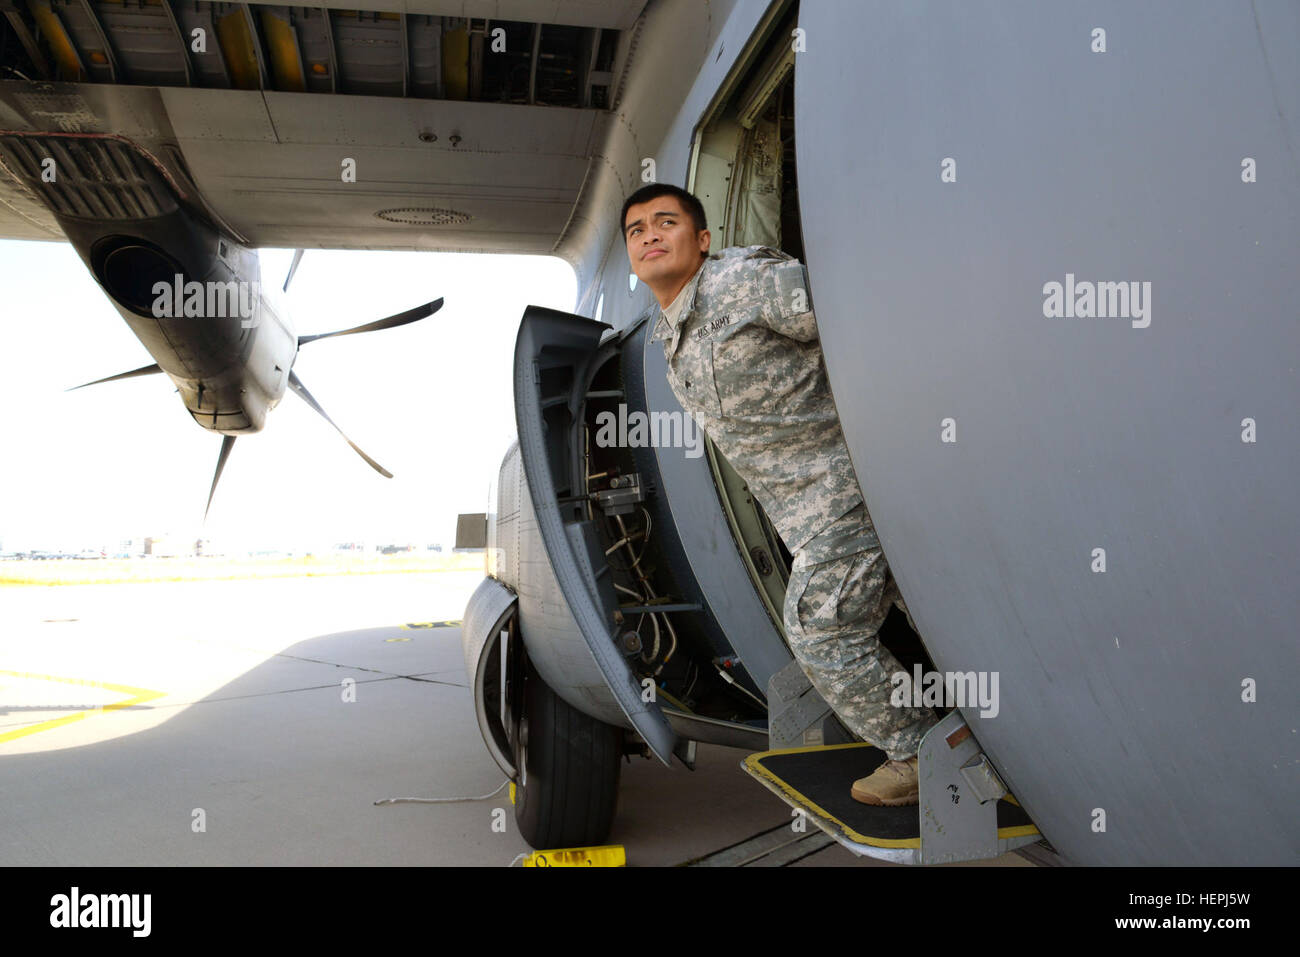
column 745, row 362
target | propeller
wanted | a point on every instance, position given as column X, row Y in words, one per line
column 296, row 384
column 227, row 443
column 143, row 370
column 293, row 268
column 390, row 322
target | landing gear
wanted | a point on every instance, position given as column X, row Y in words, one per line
column 568, row 768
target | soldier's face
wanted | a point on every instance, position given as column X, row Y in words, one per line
column 662, row 244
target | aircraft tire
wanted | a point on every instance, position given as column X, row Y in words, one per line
column 569, row 768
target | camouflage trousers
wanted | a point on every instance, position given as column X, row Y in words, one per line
column 833, row 611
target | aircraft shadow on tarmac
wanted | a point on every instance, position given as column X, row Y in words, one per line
column 282, row 764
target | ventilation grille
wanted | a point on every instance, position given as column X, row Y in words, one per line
column 87, row 177
column 424, row 216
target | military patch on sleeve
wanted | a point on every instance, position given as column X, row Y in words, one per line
column 792, row 288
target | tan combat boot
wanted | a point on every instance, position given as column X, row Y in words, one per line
column 893, row 784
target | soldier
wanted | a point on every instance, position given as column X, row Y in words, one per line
column 744, row 361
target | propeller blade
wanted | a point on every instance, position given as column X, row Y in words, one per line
column 144, row 370
column 296, row 384
column 293, row 268
column 227, row 443
column 391, row 322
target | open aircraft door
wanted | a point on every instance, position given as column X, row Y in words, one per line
column 556, row 355
column 1070, row 493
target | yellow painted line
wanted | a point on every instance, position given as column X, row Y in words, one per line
column 419, row 625
column 138, row 696
column 1020, row 830
column 391, row 640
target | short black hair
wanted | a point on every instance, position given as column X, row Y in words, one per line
column 692, row 206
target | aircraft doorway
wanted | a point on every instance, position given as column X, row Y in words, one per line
column 745, row 172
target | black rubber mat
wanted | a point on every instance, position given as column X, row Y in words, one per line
column 823, row 776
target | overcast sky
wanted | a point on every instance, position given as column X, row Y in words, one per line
column 432, row 402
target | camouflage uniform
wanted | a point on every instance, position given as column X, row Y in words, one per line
column 745, row 362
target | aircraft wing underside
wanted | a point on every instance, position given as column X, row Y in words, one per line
column 325, row 127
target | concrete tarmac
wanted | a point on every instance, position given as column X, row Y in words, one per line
column 256, row 722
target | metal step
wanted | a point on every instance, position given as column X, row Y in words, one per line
column 964, row 812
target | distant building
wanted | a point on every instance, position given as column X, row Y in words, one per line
column 168, row 546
